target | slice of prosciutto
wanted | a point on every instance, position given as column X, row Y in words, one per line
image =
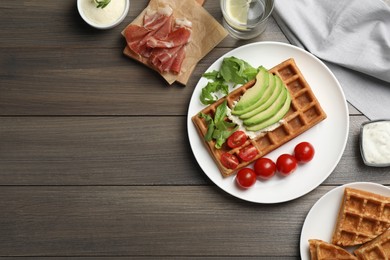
column 175, row 38
column 153, row 20
column 161, row 39
column 178, row 61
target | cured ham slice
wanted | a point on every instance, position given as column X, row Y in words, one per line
column 180, row 55
column 174, row 39
column 160, row 39
column 143, row 48
column 153, row 20
column 163, row 58
column 134, row 34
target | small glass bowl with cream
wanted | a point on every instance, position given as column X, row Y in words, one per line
column 103, row 18
column 375, row 143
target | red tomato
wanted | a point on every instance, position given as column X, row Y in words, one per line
column 304, row 152
column 248, row 153
column 237, row 139
column 246, row 177
column 265, row 168
column 230, row 161
column 286, row 164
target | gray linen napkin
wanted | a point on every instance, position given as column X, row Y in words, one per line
column 353, row 38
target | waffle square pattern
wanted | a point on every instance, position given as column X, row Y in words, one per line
column 362, row 217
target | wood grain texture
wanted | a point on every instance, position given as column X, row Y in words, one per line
column 124, row 151
column 151, row 221
column 95, row 161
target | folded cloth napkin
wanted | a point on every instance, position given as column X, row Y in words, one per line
column 353, row 38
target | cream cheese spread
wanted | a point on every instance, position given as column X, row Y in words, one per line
column 376, row 143
column 250, row 134
column 103, row 16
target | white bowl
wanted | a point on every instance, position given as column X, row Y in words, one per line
column 380, row 146
column 102, row 26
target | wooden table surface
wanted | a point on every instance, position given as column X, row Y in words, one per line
column 95, row 160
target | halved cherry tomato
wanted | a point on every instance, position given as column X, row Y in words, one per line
column 237, row 139
column 229, row 160
column 265, row 168
column 246, row 177
column 248, row 153
column 286, row 164
column 304, row 152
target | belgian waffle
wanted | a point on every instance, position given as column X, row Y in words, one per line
column 379, row 248
column 305, row 112
column 321, row 250
column 362, row 217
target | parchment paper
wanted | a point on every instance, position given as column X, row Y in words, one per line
column 206, row 34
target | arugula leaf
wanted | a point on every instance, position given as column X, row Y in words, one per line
column 213, row 75
column 221, row 136
column 210, row 126
column 233, row 71
column 217, row 128
column 208, row 95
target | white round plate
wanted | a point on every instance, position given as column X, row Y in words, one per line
column 321, row 219
column 329, row 137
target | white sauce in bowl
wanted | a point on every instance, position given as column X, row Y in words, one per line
column 376, row 143
column 102, row 16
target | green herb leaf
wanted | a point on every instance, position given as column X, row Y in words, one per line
column 221, row 136
column 220, row 113
column 102, row 3
column 233, row 70
column 210, row 126
column 217, row 128
column 208, row 95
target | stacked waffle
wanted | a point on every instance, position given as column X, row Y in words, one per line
column 304, row 113
column 363, row 220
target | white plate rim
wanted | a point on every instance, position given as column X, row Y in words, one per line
column 327, row 198
column 227, row 184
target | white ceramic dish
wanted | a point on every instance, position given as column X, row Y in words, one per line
column 321, row 219
column 377, row 147
column 103, row 26
column 328, row 137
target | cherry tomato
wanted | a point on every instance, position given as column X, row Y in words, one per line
column 265, row 168
column 246, row 177
column 304, row 152
column 286, row 164
column 237, row 139
column 230, row 161
column 248, row 153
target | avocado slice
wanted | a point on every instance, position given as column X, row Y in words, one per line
column 275, row 118
column 266, row 95
column 252, row 95
column 269, row 112
column 278, row 87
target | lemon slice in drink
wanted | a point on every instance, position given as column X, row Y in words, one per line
column 237, row 10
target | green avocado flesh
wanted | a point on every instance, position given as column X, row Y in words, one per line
column 276, row 91
column 264, row 97
column 266, row 103
column 269, row 112
column 275, row 118
column 252, row 95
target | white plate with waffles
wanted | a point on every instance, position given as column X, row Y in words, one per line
column 329, row 137
column 321, row 219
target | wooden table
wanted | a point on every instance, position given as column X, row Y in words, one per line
column 94, row 155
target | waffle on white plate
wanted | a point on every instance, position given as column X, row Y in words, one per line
column 362, row 216
column 305, row 112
